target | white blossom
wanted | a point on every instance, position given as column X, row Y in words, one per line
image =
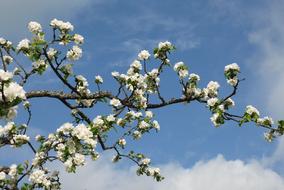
column 213, row 86
column 265, row 121
column 20, row 139
column 34, row 27
column 115, row 102
column 98, row 121
column 233, row 81
column 149, row 114
column 165, row 44
column 2, row 176
column 99, row 79
column 38, row 177
column 156, row 125
column 7, row 59
column 51, row 53
column 82, row 132
column 39, row 63
column 214, row 119
column 115, row 74
column 230, row 102
column 122, row 142
column 23, row 45
column 178, row 65
column 183, row 73
column 268, row 136
column 233, row 66
column 78, row 39
column 146, row 161
column 63, row 26
column 110, row 118
column 68, row 164
column 79, row 159
column 75, row 53
column 181, row 68
column 143, row 125
column 194, row 76
column 144, row 55
column 136, row 64
column 2, row 41
column 66, row 128
column 137, row 134
column 251, row 110
column 13, row 91
column 13, row 170
column 212, row 101
column 5, row 75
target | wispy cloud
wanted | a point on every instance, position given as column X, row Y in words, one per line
column 215, row 174
column 268, row 60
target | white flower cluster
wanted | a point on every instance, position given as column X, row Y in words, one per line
column 40, row 65
column 10, row 131
column 216, row 119
column 194, row 77
column 164, row 45
column 82, row 87
column 2, row 176
column 269, row 136
column 252, row 111
column 210, row 91
column 182, row 69
column 51, row 53
column 191, row 87
column 13, row 91
column 10, row 92
column 266, row 121
column 5, row 43
column 135, row 67
column 212, row 102
column 6, row 129
column 7, row 59
column 75, row 53
column 34, row 27
column 161, row 51
column 115, row 102
column 71, row 143
column 231, row 72
column 5, row 75
column 38, row 177
column 77, row 160
column 62, row 26
column 146, row 161
column 23, row 45
column 144, row 55
column 18, row 140
column 99, row 79
column 149, row 171
column 218, row 108
column 13, row 172
column 78, row 39
column 122, row 142
column 81, row 131
column 213, row 87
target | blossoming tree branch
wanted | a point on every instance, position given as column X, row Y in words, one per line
column 131, row 105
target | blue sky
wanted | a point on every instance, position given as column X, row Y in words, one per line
column 208, row 34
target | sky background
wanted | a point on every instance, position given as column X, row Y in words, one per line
column 208, row 34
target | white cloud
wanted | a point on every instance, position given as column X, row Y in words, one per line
column 276, row 160
column 215, row 174
column 268, row 38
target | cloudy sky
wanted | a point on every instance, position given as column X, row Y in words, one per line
column 208, row 34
